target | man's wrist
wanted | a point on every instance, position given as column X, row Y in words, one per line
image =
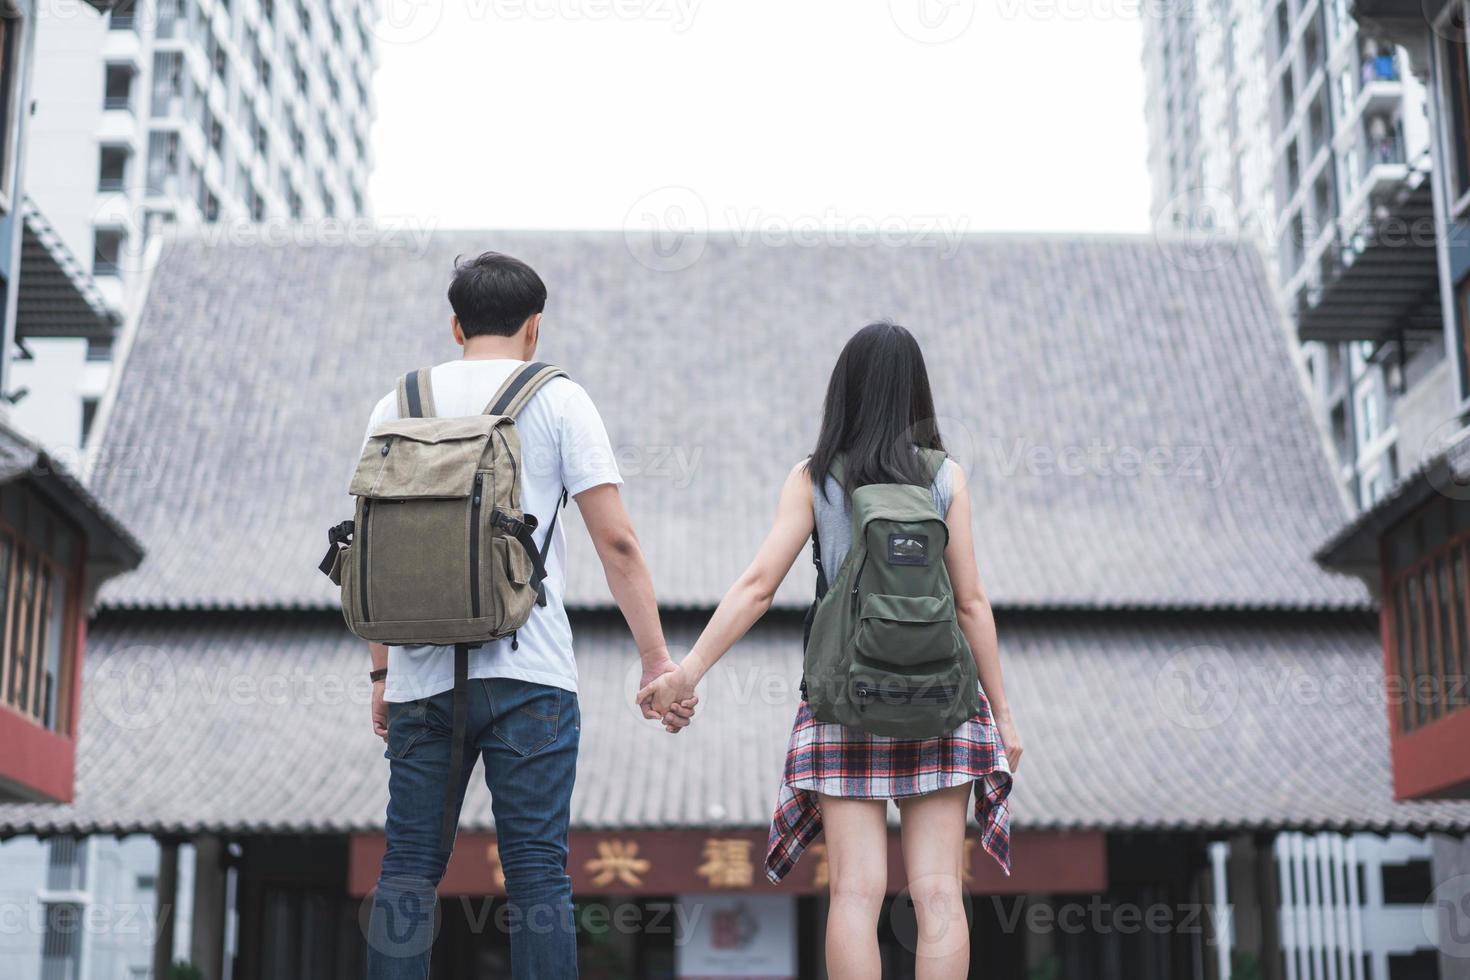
column 655, row 657
column 378, row 676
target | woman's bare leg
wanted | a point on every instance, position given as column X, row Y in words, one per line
column 933, row 859
column 856, row 833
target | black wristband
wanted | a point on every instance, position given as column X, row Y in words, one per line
column 379, row 674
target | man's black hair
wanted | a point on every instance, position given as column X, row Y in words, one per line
column 493, row 294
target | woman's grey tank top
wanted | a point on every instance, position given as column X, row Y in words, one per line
column 833, row 514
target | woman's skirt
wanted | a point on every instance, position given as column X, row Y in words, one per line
column 826, row 757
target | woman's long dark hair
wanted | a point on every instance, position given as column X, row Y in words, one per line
column 878, row 410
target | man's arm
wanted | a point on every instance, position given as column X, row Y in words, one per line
column 630, row 582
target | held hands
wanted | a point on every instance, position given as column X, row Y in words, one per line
column 669, row 692
column 674, row 712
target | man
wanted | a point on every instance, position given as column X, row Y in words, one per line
column 523, row 714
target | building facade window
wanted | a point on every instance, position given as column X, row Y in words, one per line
column 1426, row 599
column 113, row 169
column 118, row 87
column 39, row 587
column 107, row 251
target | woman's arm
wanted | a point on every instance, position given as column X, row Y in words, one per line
column 748, row 599
column 977, row 622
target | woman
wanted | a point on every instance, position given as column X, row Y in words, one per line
column 879, row 412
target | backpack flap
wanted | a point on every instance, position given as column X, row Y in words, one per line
column 424, row 457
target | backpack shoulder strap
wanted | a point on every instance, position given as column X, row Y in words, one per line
column 416, row 395
column 520, row 387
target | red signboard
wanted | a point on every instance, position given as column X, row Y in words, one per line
column 675, row 862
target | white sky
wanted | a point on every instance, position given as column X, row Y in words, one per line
column 568, row 113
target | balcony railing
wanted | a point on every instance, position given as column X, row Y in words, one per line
column 1384, row 151
column 1379, row 277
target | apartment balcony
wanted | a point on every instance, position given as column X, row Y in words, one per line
column 1380, row 279
column 1404, row 22
column 122, row 45
column 1382, row 88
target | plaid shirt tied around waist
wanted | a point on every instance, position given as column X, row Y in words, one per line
column 826, row 757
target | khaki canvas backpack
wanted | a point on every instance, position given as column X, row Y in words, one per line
column 439, row 551
column 884, row 650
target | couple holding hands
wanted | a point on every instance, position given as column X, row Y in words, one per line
column 902, row 693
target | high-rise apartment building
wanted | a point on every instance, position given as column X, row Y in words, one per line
column 187, row 112
column 1282, row 121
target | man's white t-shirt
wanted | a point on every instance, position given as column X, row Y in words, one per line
column 563, row 444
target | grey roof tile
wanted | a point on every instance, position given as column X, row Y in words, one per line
column 259, row 722
column 243, row 399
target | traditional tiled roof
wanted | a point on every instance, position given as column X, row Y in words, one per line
column 1133, row 428
column 253, row 722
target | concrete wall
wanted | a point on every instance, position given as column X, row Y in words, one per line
column 1425, row 415
column 59, row 378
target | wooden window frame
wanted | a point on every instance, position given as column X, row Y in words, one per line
column 25, row 553
column 1428, row 611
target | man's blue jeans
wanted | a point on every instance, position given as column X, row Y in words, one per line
column 527, row 734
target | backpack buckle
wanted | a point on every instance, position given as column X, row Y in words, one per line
column 507, row 523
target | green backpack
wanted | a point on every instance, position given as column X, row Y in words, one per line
column 884, row 652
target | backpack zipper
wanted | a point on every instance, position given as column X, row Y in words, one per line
column 857, row 581
column 475, row 547
column 941, row 694
column 515, row 476
column 362, row 564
